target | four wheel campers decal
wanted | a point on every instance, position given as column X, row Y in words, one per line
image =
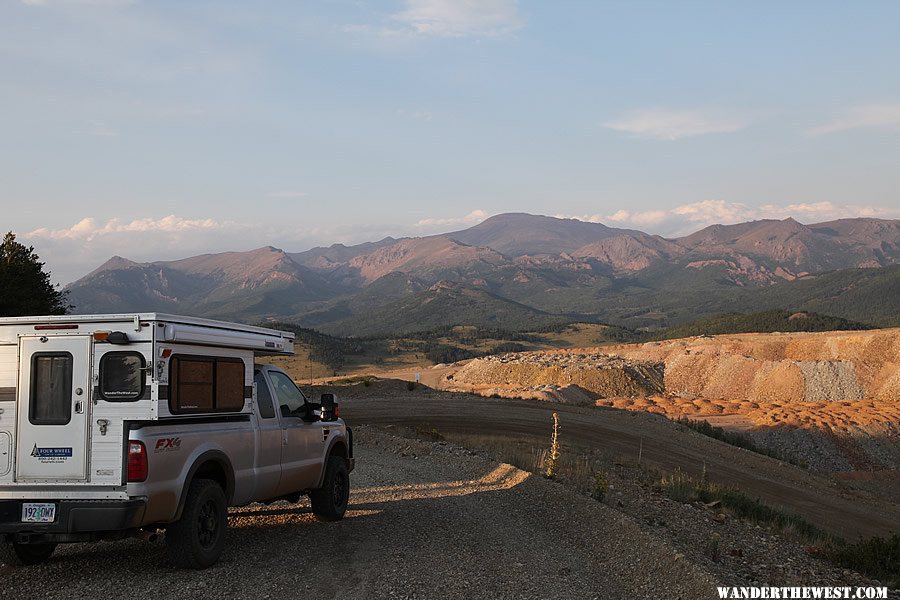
column 51, row 455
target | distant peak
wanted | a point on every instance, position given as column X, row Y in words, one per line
column 117, row 262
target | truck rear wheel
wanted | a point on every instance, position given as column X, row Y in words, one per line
column 329, row 503
column 17, row 554
column 196, row 541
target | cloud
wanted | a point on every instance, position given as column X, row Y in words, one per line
column 447, row 19
column 707, row 212
column 667, row 124
column 90, row 229
column 473, row 218
column 650, row 217
column 623, row 217
column 416, row 115
column 873, row 116
column 688, row 218
column 79, row 2
column 100, row 129
column 459, row 18
column 71, row 252
column 287, row 194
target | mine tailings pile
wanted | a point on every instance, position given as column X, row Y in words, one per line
column 599, row 374
column 794, row 367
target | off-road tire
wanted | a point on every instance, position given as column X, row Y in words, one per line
column 197, row 539
column 12, row 553
column 329, row 503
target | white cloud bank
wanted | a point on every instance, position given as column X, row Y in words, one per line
column 688, row 218
column 89, row 229
column 873, row 116
column 459, row 18
column 668, row 124
column 71, row 252
column 447, row 19
column 473, row 218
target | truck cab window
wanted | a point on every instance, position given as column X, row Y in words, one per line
column 263, row 396
column 289, row 395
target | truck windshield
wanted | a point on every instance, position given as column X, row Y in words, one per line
column 289, row 395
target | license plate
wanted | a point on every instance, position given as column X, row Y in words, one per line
column 38, row 513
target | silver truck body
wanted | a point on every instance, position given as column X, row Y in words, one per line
column 105, row 420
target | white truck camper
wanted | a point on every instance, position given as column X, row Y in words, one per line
column 141, row 424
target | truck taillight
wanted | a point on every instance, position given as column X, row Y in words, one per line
column 137, row 462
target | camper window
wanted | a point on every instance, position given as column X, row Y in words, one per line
column 205, row 384
column 122, row 376
column 50, row 402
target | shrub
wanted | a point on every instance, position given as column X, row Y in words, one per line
column 735, row 439
column 678, row 486
column 601, row 486
column 712, row 550
column 683, row 488
column 876, row 557
column 553, row 459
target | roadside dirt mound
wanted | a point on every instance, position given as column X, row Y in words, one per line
column 599, row 374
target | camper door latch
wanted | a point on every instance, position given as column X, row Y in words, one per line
column 103, row 423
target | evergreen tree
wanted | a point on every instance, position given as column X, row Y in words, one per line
column 25, row 288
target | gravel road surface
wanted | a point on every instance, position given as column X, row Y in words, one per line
column 425, row 521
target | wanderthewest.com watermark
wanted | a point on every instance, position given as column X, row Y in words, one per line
column 802, row 592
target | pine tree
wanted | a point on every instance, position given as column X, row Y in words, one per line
column 25, row 288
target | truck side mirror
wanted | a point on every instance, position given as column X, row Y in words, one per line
column 330, row 410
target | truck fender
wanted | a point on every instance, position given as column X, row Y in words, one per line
column 216, row 466
column 338, row 447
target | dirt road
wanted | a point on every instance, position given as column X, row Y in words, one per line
column 424, row 522
column 821, row 501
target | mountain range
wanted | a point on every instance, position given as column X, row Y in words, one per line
column 522, row 271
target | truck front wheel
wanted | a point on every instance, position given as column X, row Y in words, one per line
column 26, row 554
column 329, row 503
column 196, row 541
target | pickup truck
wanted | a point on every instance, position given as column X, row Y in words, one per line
column 179, row 474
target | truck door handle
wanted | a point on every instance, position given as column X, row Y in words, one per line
column 79, row 407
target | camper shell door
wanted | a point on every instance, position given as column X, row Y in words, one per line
column 53, row 406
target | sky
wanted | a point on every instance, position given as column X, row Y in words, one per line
column 161, row 129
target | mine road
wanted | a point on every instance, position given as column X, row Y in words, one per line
column 822, row 501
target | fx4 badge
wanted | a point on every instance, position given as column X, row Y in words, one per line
column 168, row 445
